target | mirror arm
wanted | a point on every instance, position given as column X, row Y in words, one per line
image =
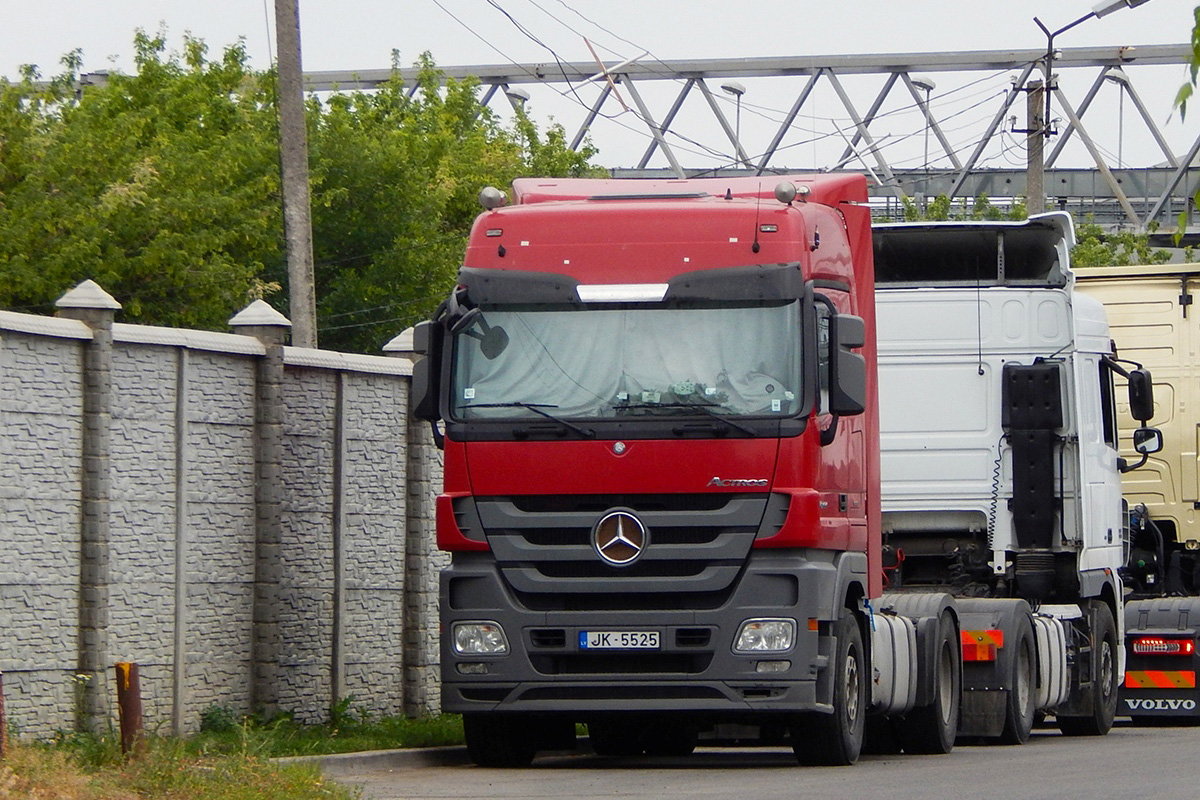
column 1124, row 466
column 828, row 435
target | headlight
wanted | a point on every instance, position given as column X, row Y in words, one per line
column 479, row 639
column 766, row 636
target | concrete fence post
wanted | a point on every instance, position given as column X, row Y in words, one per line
column 96, row 308
column 270, row 327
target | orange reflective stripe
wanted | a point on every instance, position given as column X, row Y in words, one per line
column 978, row 651
column 992, row 637
column 1160, row 679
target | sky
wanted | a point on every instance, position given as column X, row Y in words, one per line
column 361, row 34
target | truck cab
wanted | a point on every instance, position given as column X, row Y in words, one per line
column 657, row 405
column 1001, row 464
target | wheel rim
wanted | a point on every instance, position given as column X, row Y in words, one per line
column 1024, row 680
column 852, row 686
column 945, row 689
column 1107, row 671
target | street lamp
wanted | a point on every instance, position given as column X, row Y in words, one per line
column 737, row 90
column 925, row 84
column 1101, row 9
column 1117, row 75
column 517, row 97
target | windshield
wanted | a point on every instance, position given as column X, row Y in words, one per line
column 629, row 361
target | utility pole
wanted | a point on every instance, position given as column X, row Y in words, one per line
column 293, row 162
column 1035, row 140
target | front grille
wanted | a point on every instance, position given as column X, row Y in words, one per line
column 697, row 546
column 621, row 663
column 619, row 692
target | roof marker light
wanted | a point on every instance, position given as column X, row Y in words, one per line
column 622, row 292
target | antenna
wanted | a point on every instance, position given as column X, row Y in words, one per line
column 754, row 248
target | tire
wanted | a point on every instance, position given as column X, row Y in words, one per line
column 497, row 740
column 932, row 729
column 1019, row 712
column 836, row 739
column 1104, row 678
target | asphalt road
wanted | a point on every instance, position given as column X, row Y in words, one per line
column 1131, row 762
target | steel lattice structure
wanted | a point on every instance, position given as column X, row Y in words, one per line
column 1119, row 194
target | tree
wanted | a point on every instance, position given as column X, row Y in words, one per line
column 163, row 186
column 941, row 208
column 1095, row 248
column 396, row 182
column 160, row 186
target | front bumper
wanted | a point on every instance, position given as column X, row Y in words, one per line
column 694, row 669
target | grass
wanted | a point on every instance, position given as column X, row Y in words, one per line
column 347, row 732
column 165, row 770
column 230, row 759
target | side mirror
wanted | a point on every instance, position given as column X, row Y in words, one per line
column 426, row 376
column 1141, row 395
column 424, row 391
column 1147, row 440
column 422, row 332
column 848, row 371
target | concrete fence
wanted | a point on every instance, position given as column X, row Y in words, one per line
column 251, row 523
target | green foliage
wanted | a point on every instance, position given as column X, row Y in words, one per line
column 940, row 209
column 164, row 187
column 168, row 768
column 1095, row 248
column 218, row 719
column 1181, row 100
column 161, row 186
column 350, row 729
column 1185, row 91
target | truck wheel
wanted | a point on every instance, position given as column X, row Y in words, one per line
column 931, row 729
column 1018, row 716
column 836, row 739
column 496, row 740
column 1104, row 678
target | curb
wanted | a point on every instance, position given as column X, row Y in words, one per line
column 341, row 764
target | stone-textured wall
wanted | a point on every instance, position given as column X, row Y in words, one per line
column 41, row 411
column 346, row 589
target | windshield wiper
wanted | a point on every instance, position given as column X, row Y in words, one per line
column 537, row 409
column 707, row 408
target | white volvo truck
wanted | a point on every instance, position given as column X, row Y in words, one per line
column 1000, row 465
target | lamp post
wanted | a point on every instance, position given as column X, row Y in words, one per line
column 1036, row 205
column 736, row 90
column 925, row 84
column 1118, row 76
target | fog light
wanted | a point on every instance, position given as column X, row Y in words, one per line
column 479, row 638
column 766, row 636
column 772, row 666
column 472, row 668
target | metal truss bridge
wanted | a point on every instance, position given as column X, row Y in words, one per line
column 1115, row 150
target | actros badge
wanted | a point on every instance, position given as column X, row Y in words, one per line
column 620, row 538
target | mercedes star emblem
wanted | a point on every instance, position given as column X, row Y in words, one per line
column 620, row 538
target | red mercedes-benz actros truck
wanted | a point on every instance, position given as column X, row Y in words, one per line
column 657, row 401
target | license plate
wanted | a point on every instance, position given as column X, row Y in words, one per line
column 618, row 640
